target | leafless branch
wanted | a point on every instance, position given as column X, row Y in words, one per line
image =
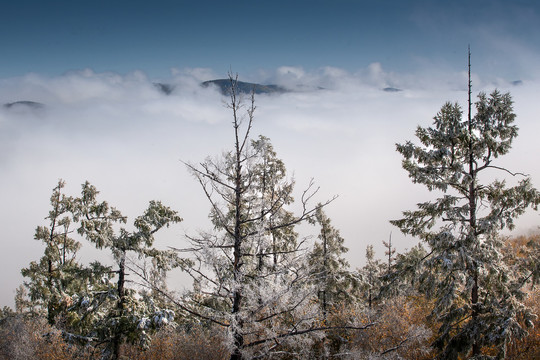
column 508, row 171
column 395, row 348
column 306, row 331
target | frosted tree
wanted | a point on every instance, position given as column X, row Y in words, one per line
column 57, row 275
column 251, row 273
column 371, row 274
column 335, row 283
column 389, row 252
column 477, row 302
column 273, row 191
column 336, row 286
column 112, row 313
column 402, row 279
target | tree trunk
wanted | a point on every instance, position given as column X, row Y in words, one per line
column 472, row 215
column 117, row 336
column 474, row 302
column 325, row 274
column 50, row 305
column 238, row 336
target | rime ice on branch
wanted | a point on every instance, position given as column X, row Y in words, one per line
column 477, row 302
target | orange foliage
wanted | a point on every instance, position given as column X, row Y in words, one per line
column 401, row 328
column 32, row 338
column 180, row 344
column 528, row 348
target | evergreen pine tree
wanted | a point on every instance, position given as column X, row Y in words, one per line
column 56, row 276
column 119, row 314
column 477, row 302
column 335, row 283
column 371, row 274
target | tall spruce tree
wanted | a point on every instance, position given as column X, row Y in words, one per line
column 57, row 275
column 273, row 191
column 336, row 285
column 477, row 303
column 371, row 274
column 390, row 251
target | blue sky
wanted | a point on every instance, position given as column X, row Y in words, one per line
column 52, row 37
column 93, row 65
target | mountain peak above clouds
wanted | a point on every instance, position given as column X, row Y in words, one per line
column 224, row 85
column 24, row 104
column 166, row 89
column 24, row 107
column 391, row 89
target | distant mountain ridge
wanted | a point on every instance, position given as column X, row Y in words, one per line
column 24, row 104
column 224, row 85
column 166, row 89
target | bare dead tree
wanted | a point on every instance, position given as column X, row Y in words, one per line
column 258, row 301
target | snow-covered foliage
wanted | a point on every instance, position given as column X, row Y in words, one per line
column 84, row 301
column 331, row 276
column 252, row 274
column 371, row 275
column 478, row 302
column 57, row 275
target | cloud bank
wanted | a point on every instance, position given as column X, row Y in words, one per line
column 128, row 138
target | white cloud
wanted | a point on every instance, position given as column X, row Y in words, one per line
column 125, row 136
